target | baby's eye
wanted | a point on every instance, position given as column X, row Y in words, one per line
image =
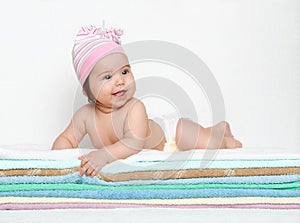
column 107, row 77
column 126, row 71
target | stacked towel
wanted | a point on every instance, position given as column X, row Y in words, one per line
column 241, row 178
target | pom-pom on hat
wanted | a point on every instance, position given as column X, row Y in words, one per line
column 91, row 45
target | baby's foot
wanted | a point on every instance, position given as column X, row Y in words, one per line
column 230, row 143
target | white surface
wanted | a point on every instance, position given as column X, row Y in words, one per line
column 153, row 215
column 252, row 48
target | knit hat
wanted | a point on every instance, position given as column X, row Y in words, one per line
column 91, row 45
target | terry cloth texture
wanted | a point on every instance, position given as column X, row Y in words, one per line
column 224, row 179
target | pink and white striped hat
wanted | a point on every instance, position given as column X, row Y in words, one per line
column 91, row 45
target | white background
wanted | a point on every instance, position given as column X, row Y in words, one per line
column 252, row 48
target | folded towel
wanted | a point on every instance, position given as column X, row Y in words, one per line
column 150, row 164
column 162, row 175
column 221, row 154
column 78, row 187
column 209, row 200
column 196, row 173
column 13, row 164
column 121, row 167
column 44, row 154
column 74, row 178
column 38, row 172
column 193, row 179
column 46, row 206
column 21, row 152
column 155, row 194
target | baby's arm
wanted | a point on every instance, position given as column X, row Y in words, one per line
column 136, row 129
column 73, row 134
column 135, row 133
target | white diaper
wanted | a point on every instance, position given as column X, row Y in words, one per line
column 168, row 123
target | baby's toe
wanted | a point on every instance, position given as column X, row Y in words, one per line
column 231, row 143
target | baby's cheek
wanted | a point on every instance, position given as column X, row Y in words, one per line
column 103, row 90
column 132, row 85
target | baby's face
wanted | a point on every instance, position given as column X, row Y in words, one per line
column 111, row 81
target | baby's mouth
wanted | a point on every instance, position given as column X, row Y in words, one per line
column 119, row 93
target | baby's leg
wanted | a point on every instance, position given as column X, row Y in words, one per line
column 190, row 135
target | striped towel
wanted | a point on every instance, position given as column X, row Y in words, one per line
column 193, row 179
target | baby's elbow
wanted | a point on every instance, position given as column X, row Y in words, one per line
column 134, row 143
column 63, row 142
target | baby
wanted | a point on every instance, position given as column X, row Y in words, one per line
column 116, row 122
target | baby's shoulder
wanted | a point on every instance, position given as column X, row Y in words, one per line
column 83, row 112
column 135, row 106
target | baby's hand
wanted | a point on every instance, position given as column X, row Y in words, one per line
column 92, row 163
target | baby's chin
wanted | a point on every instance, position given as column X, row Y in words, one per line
column 120, row 102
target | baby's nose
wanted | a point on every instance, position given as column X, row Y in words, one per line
column 119, row 79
